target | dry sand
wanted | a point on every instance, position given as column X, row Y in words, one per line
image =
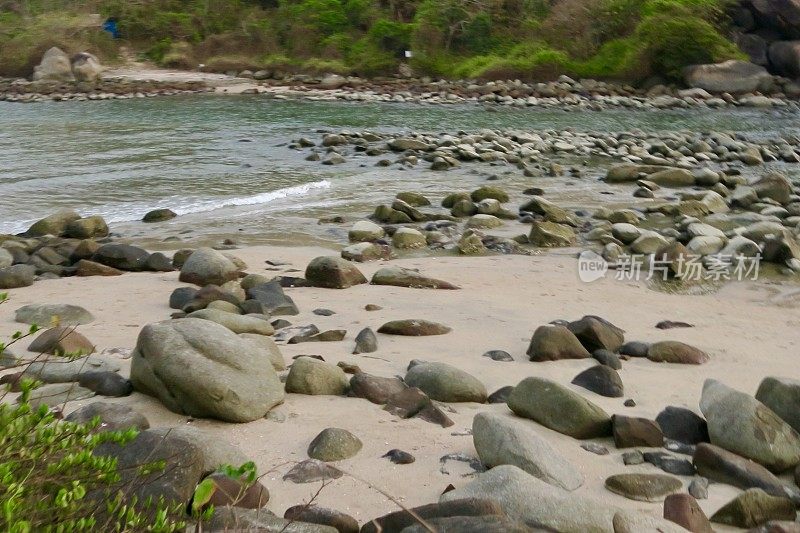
column 750, row 329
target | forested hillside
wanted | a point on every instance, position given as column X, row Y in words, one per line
column 528, row 39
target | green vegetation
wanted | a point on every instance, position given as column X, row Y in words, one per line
column 527, row 39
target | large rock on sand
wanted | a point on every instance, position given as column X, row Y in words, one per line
column 728, row 77
column 55, row 224
column 200, row 368
column 208, row 267
column 406, row 277
column 526, row 498
column 558, row 408
column 782, row 395
column 503, row 440
column 741, row 424
column 446, row 383
column 333, row 272
column 55, row 66
column 45, row 314
column 555, row 342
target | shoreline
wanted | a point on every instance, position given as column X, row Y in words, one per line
column 490, row 311
column 581, row 95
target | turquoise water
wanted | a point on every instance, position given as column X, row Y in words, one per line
column 223, row 164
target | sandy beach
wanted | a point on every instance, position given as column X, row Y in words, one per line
column 749, row 329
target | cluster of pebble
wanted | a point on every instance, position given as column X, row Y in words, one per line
column 24, row 91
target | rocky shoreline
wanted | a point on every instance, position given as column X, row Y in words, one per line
column 565, row 93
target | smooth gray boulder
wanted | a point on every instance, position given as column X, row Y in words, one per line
column 200, row 368
column 558, row 408
column 208, row 267
column 314, row 377
column 503, row 440
column 782, row 395
column 446, row 383
column 235, row 323
column 741, row 424
column 731, row 76
column 44, row 315
column 524, row 497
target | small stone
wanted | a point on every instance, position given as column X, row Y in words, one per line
column 499, row 355
column 630, row 402
column 333, row 272
column 633, row 458
column 643, row 487
column 699, row 488
column 366, row 341
column 607, row 358
column 413, row 328
column 669, row 463
column 313, row 377
column 593, row 447
column 323, row 312
column 630, row 432
column 106, row 383
column 676, row 352
column 334, row 444
column 399, row 457
column 684, row 511
column 600, row 379
column 312, row 470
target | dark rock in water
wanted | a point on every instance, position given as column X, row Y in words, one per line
column 723, row 466
column 230, row 492
column 669, row 463
column 106, row 383
column 323, row 312
column 375, row 389
column 158, row 262
column 602, row 380
column 593, row 447
column 596, row 333
column 753, row 508
column 671, row 324
column 271, row 295
column 311, row 514
column 333, row 272
column 555, row 342
column 399, row 457
column 635, row 349
column 607, row 358
column 113, row 416
column 683, row 425
column 684, row 511
column 413, row 402
column 311, row 470
column 366, row 341
column 176, row 483
column 630, row 432
column 334, row 444
column 181, row 296
column 159, row 215
column 643, row 487
column 399, row 520
column 413, row 328
column 499, row 355
column 122, row 257
column 500, row 395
